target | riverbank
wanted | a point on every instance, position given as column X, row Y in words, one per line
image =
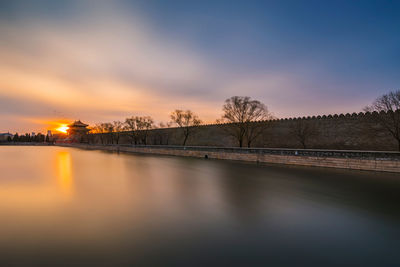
column 25, row 144
column 344, row 159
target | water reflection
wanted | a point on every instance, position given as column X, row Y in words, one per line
column 64, row 173
column 125, row 209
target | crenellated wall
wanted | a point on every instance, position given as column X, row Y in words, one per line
column 356, row 131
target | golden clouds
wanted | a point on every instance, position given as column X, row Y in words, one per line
column 100, row 67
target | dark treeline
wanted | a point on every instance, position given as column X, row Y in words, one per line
column 37, row 138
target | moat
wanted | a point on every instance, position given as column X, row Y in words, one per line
column 66, row 206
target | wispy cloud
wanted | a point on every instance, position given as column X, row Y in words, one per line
column 102, row 62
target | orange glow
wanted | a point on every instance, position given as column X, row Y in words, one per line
column 63, row 128
column 64, row 172
column 53, row 124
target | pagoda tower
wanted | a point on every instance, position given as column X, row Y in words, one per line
column 77, row 130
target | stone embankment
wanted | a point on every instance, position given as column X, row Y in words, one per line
column 345, row 159
column 25, row 144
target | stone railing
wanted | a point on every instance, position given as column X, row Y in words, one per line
column 355, row 154
column 358, row 160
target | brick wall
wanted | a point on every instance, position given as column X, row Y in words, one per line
column 349, row 131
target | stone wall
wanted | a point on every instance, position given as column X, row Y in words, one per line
column 373, row 161
column 350, row 131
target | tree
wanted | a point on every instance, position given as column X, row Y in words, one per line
column 162, row 134
column 100, row 130
column 118, row 127
column 186, row 120
column 25, row 138
column 386, row 112
column 246, row 118
column 39, row 138
column 108, row 129
column 144, row 124
column 162, row 125
column 130, row 126
column 303, row 130
column 91, row 135
column 16, row 137
column 138, row 128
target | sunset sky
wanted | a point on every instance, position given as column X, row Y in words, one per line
column 100, row 61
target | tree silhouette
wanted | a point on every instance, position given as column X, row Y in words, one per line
column 138, row 128
column 386, row 112
column 303, row 130
column 100, row 130
column 16, row 137
column 186, row 120
column 244, row 116
column 117, row 128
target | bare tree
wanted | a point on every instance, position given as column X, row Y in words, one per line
column 386, row 112
column 91, row 135
column 245, row 117
column 303, row 130
column 100, row 131
column 130, row 126
column 144, row 124
column 186, row 120
column 138, row 128
column 118, row 126
column 162, row 134
column 108, row 131
column 162, row 125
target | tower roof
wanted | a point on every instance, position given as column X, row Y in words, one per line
column 78, row 123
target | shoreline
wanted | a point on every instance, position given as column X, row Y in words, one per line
column 382, row 161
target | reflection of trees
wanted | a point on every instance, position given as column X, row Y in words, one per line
column 249, row 194
column 253, row 193
column 244, row 191
column 357, row 191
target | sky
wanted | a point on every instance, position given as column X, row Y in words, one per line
column 100, row 61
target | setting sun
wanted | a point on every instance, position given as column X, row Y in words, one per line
column 63, row 128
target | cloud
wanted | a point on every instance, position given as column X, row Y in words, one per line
column 102, row 63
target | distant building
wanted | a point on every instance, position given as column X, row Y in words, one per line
column 49, row 134
column 76, row 133
column 33, row 134
column 78, row 128
column 4, row 136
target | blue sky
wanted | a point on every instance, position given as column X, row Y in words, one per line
column 150, row 57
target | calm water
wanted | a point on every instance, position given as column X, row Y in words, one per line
column 62, row 206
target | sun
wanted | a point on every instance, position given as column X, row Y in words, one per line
column 63, row 128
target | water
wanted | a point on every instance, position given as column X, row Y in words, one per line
column 65, row 206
